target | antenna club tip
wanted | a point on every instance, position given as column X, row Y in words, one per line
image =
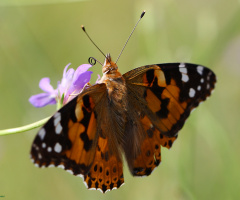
column 143, row 13
column 83, row 28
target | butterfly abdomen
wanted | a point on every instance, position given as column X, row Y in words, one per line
column 117, row 105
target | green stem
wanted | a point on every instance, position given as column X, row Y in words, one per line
column 23, row 128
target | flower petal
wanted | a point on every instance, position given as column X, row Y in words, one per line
column 84, row 78
column 66, row 80
column 42, row 99
column 69, row 74
column 80, row 78
column 45, row 85
column 80, row 70
column 65, row 69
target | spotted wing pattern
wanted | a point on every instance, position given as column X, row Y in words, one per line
column 163, row 95
column 73, row 140
column 150, row 150
column 69, row 139
column 106, row 172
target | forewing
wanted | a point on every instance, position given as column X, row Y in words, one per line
column 161, row 98
column 167, row 93
column 69, row 139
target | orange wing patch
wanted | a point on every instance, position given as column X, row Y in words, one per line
column 150, row 153
column 106, row 172
column 163, row 99
column 82, row 133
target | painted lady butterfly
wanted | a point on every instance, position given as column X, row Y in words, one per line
column 135, row 114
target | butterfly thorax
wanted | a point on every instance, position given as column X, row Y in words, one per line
column 115, row 83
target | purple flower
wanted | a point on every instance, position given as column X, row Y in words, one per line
column 71, row 85
column 43, row 99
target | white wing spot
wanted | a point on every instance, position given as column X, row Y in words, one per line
column 192, row 92
column 192, row 110
column 199, row 88
column 35, row 147
column 39, row 156
column 42, row 133
column 69, row 171
column 99, row 190
column 49, row 149
column 208, row 86
column 58, row 129
column 61, row 166
column 200, row 69
column 57, row 148
column 56, row 122
column 57, row 115
column 92, row 188
column 37, row 165
column 85, row 184
column 181, row 65
column 185, row 78
column 202, row 80
column 43, row 145
column 183, row 70
column 80, row 175
column 57, row 118
column 209, row 74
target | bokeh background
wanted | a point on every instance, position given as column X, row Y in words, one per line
column 39, row 38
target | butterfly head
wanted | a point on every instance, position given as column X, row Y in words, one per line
column 109, row 67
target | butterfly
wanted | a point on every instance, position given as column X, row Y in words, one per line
column 131, row 115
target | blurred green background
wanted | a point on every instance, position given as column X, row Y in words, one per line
column 39, row 38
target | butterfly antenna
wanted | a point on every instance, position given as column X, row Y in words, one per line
column 92, row 61
column 83, row 28
column 143, row 13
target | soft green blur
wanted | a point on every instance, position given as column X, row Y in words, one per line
column 39, row 40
